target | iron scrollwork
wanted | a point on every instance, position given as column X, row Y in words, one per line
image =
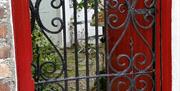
column 55, row 67
column 35, row 15
column 130, row 74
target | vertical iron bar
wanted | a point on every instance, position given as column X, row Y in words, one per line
column 104, row 34
column 106, row 41
column 76, row 44
column 154, row 49
column 65, row 51
column 105, row 47
column 38, row 67
column 105, row 52
column 86, row 43
column 97, row 43
column 154, row 54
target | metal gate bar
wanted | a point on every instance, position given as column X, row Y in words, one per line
column 76, row 44
column 86, row 43
column 36, row 21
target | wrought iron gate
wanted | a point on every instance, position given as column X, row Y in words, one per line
column 122, row 58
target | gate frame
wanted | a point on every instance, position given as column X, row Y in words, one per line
column 166, row 57
column 23, row 44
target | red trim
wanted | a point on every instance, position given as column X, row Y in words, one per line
column 166, row 45
column 21, row 21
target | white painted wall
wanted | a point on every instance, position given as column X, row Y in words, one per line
column 80, row 27
column 176, row 45
column 47, row 13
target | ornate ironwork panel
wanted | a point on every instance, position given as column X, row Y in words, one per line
column 131, row 36
column 49, row 61
column 120, row 58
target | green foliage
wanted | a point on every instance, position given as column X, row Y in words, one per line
column 90, row 4
column 44, row 53
column 41, row 46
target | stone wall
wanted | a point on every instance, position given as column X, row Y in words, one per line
column 7, row 54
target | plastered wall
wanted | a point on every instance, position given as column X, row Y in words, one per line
column 176, row 45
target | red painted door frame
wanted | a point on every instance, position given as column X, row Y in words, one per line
column 166, row 7
column 23, row 44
